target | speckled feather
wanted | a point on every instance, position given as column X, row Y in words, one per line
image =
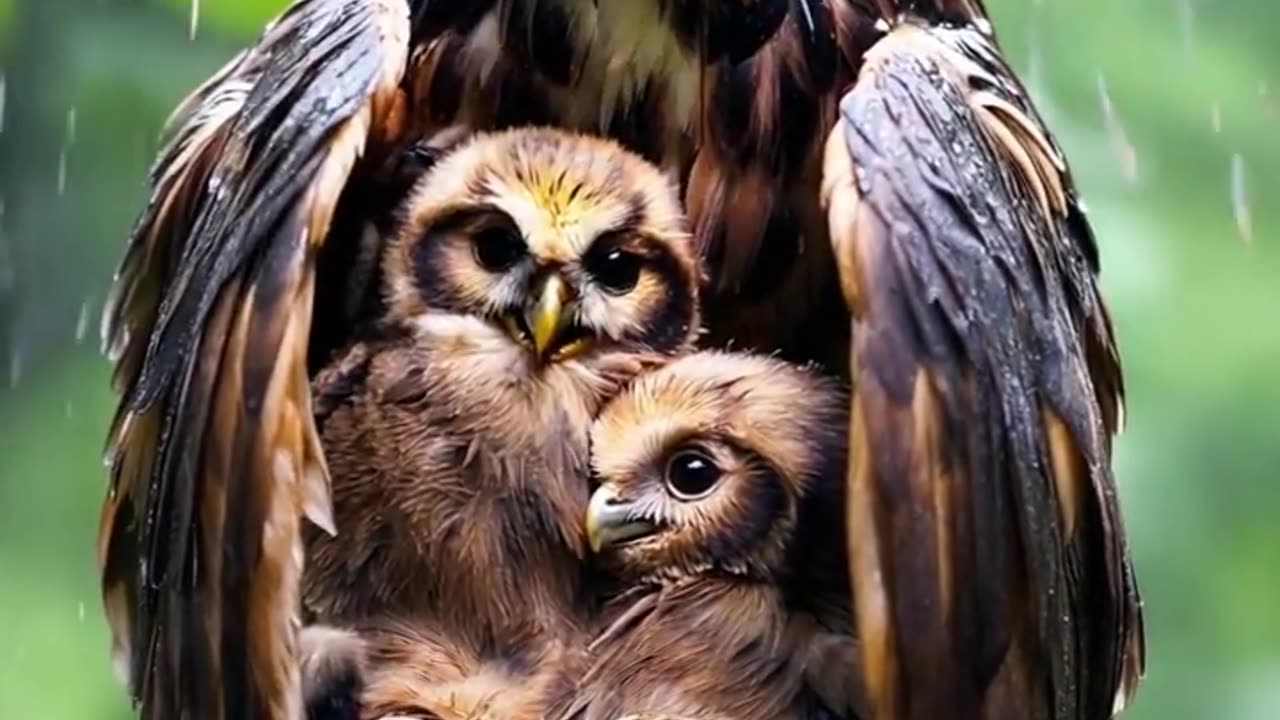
column 713, row 617
column 459, row 459
column 984, row 528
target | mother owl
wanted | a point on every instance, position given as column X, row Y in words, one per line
column 871, row 189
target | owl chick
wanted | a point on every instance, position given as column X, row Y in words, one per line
column 533, row 273
column 716, row 471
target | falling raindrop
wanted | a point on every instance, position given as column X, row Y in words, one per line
column 68, row 140
column 67, row 410
column 82, row 322
column 1215, row 117
column 195, row 17
column 1035, row 62
column 1187, row 20
column 8, row 278
column 1035, row 77
column 1240, row 199
column 2, row 84
column 1120, row 144
column 15, row 368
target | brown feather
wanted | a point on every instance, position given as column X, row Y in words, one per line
column 459, row 456
column 736, row 100
column 709, row 648
column 705, row 623
column 209, row 322
column 986, row 388
column 421, row 669
column 332, row 663
column 204, row 123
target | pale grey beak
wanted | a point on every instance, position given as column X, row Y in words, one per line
column 612, row 520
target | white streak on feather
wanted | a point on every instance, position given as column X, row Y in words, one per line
column 630, row 44
column 485, row 43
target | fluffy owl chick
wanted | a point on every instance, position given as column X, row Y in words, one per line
column 533, row 273
column 710, row 469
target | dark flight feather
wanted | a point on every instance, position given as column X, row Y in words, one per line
column 989, row 564
column 214, row 454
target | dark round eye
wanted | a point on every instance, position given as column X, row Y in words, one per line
column 616, row 270
column 691, row 474
column 498, row 248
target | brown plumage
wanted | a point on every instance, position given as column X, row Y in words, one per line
column 533, row 272
column 984, row 528
column 870, row 188
column 714, row 473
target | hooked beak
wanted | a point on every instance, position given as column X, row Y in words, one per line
column 613, row 521
column 544, row 314
column 547, row 319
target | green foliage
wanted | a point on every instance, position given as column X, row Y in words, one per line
column 235, row 18
column 6, row 18
column 1194, row 306
column 53, row 660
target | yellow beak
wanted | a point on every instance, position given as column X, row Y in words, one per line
column 545, row 313
column 611, row 520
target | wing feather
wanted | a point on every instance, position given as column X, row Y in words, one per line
column 214, row 455
column 990, row 572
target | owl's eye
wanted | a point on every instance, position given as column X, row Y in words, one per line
column 498, row 248
column 691, row 475
column 615, row 269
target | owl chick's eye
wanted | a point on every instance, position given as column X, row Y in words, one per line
column 691, row 475
column 497, row 248
column 615, row 269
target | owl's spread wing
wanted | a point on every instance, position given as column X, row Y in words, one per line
column 214, row 458
column 990, row 573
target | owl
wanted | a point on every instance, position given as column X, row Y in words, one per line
column 717, row 474
column 869, row 187
column 533, row 272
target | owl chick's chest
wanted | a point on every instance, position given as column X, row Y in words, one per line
column 458, row 492
column 707, row 648
column 492, row 485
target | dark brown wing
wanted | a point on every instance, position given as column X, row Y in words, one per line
column 214, row 457
column 934, row 12
column 990, row 571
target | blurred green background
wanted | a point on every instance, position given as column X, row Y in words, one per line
column 1170, row 113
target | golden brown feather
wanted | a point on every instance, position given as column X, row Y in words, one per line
column 534, row 272
column 333, row 663
column 986, row 392
column 213, row 456
column 709, row 468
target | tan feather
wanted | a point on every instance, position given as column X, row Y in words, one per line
column 459, row 448
column 213, row 450
column 703, row 624
column 980, row 494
